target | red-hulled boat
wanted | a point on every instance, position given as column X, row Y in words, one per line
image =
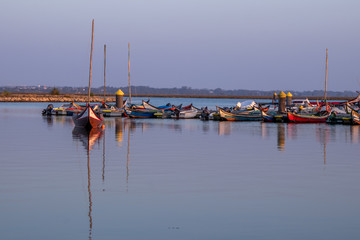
column 308, row 118
column 88, row 119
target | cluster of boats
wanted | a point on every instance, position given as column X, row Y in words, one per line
column 299, row 111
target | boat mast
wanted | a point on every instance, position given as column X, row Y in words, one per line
column 104, row 68
column 91, row 55
column 129, row 72
column 326, row 73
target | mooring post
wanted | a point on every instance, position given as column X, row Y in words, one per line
column 282, row 102
column 289, row 99
column 119, row 98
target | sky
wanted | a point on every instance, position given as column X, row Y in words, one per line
column 227, row 44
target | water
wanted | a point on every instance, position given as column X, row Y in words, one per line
column 176, row 179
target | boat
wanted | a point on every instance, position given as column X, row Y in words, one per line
column 68, row 109
column 320, row 117
column 112, row 110
column 184, row 114
column 88, row 118
column 248, row 116
column 48, row 110
column 188, row 107
column 140, row 113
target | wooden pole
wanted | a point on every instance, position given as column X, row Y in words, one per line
column 326, row 66
column 129, row 72
column 91, row 55
column 104, row 69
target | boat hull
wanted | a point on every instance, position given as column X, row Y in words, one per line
column 239, row 117
column 140, row 113
column 88, row 119
column 302, row 118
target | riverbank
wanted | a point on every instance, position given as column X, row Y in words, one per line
column 37, row 97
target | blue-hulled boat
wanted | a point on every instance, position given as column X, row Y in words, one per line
column 140, row 113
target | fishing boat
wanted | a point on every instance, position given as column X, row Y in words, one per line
column 112, row 110
column 184, row 114
column 147, row 105
column 249, row 116
column 140, row 113
column 88, row 118
column 68, row 109
column 321, row 117
column 273, row 116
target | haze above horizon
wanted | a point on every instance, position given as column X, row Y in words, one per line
column 228, row 44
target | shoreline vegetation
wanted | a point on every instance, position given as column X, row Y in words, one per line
column 43, row 97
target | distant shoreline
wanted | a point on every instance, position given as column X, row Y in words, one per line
column 39, row 97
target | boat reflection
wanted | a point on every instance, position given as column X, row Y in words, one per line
column 224, row 128
column 88, row 139
column 59, row 120
column 354, row 133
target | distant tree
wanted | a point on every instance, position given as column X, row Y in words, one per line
column 55, row 91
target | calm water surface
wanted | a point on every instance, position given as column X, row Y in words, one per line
column 176, row 179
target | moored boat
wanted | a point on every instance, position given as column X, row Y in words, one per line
column 184, row 114
column 88, row 119
column 249, row 116
column 140, row 113
column 308, row 118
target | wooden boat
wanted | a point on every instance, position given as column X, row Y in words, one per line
column 184, row 114
column 355, row 117
column 147, row 105
column 188, row 107
column 68, row 109
column 88, row 118
column 229, row 116
column 112, row 110
column 273, row 117
column 308, row 118
column 140, row 113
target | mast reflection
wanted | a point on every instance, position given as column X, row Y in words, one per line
column 323, row 135
column 88, row 139
column 280, row 136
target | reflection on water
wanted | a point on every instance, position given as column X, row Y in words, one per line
column 354, row 132
column 281, row 136
column 224, row 128
column 119, row 130
column 58, row 120
column 88, row 139
column 177, row 180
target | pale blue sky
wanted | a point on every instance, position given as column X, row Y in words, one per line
column 250, row 44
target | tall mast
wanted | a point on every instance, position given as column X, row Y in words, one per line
column 326, row 73
column 104, row 68
column 91, row 55
column 129, row 72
